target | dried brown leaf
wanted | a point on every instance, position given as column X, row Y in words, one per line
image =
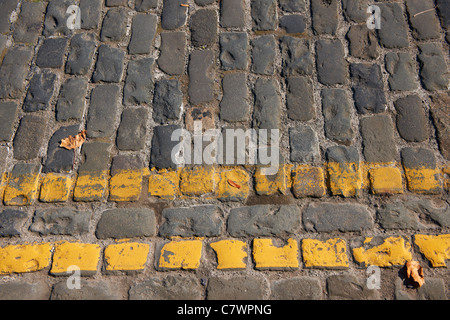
column 415, row 271
column 71, row 143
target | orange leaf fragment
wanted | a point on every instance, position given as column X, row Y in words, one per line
column 233, row 184
column 415, row 271
column 74, row 142
column 184, row 5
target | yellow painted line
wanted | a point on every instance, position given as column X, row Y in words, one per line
column 331, row 253
column 25, row 257
column 436, row 248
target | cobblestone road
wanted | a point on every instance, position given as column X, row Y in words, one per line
column 363, row 178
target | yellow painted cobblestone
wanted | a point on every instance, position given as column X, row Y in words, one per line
column 25, row 257
column 129, row 256
column 436, row 248
column 331, row 253
column 231, row 254
column 267, row 255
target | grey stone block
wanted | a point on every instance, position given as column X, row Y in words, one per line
column 267, row 111
column 234, row 105
column 297, row 57
column 89, row 290
column 13, row 72
column 232, row 14
column 102, row 111
column 11, row 222
column 173, row 50
column 425, row 26
column 368, row 88
column 236, row 288
column 39, row 92
column 143, row 32
column 139, row 82
column 109, row 67
column 51, row 53
column 203, row 26
column 60, row 159
column 162, row 146
column 293, row 5
column 412, row 122
column 90, row 13
column 440, row 111
column 324, row 16
column 264, row 15
column 71, row 101
column 433, row 72
column 24, row 291
column 145, row 5
column 201, row 76
column 95, row 157
column 116, row 3
column 132, row 130
column 8, row 114
column 81, row 54
column 304, row 144
column 363, row 42
column 167, row 101
column 300, row 99
column 56, row 18
column 297, row 288
column 29, row 137
column 233, row 50
column 348, row 287
column 168, row 288
column 378, row 138
column 263, row 54
column 29, row 24
column 415, row 158
column 173, row 15
column 342, row 154
column 114, row 25
column 126, row 223
column 394, row 29
column 293, row 23
column 402, row 71
column 6, row 8
column 61, row 221
column 331, row 65
column 355, row 10
column 337, row 111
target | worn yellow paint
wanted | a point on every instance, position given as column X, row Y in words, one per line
column 129, row 256
column 125, row 185
column 181, row 255
column 83, row 255
column 272, row 184
column 308, row 181
column 386, row 180
column 436, row 248
column 91, row 186
column 268, row 255
column 423, row 180
column 393, row 251
column 3, row 181
column 345, row 179
column 233, row 184
column 164, row 184
column 25, row 257
column 197, row 181
column 21, row 190
column 325, row 254
column 231, row 254
column 56, row 187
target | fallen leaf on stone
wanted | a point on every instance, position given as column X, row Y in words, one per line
column 184, row 5
column 233, row 184
column 415, row 271
column 74, row 142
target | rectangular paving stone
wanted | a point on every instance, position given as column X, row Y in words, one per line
column 56, row 18
column 402, row 71
column 324, row 16
column 330, row 254
column 201, row 76
column 381, row 251
column 184, row 255
column 8, row 114
column 440, row 111
column 232, row 14
column 22, row 188
column 296, row 288
column 81, row 54
column 61, row 221
column 130, row 256
column 363, row 42
column 231, row 254
column 60, row 159
column 378, row 138
column 236, row 288
column 264, row 15
column 293, row 23
column 169, row 287
column 293, row 5
column 29, row 137
column 126, row 178
column 337, row 110
column 143, row 32
column 433, row 67
column 233, row 50
column 344, row 171
column 109, row 67
column 132, row 129
column 14, row 258
column 138, row 82
column 263, row 52
column 267, row 111
column 394, row 29
column 85, row 256
column 296, row 55
column 203, row 26
column 268, row 256
column 349, row 287
column 6, row 8
column 425, row 26
column 90, row 13
column 102, row 111
column 304, row 144
column 308, row 181
column 162, row 147
column 300, row 99
column 29, row 24
column 173, row 49
column 412, row 119
column 234, row 105
column 89, row 290
column 11, row 222
column 116, row 3
column 39, row 92
column 331, row 65
column 368, row 88
column 145, row 5
column 71, row 101
column 13, row 72
column 51, row 53
column 114, row 25
column 56, row 187
column 167, row 101
column 173, row 15
column 385, row 180
column 355, row 10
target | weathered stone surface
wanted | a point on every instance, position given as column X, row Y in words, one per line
column 264, row 220
column 296, row 55
column 126, row 223
column 342, row 154
column 292, row 5
column 51, row 53
column 11, row 222
column 143, row 32
column 167, row 101
column 378, row 138
column 102, row 111
column 418, row 158
column 233, row 50
column 267, row 110
column 324, row 16
column 412, row 122
column 363, row 42
column 13, row 72
column 139, row 82
column 162, row 146
column 89, row 290
column 234, row 105
column 368, row 89
column 132, row 129
column 60, row 159
column 145, row 5
column 29, row 137
column 8, row 114
column 56, row 18
column 198, row 221
column 336, row 110
column 331, row 65
column 40, row 92
column 329, row 217
column 425, row 26
column 109, row 67
column 263, row 54
column 348, row 287
column 433, row 289
column 293, row 23
column 173, row 48
column 264, row 14
column 6, row 8
column 440, row 111
column 114, row 25
column 173, row 15
column 298, row 288
column 61, row 221
column 168, row 288
column 71, row 100
column 232, row 14
column 116, row 3
column 29, row 25
column 24, row 291
column 402, row 71
column 81, row 54
column 355, row 10
column 203, row 27
column 236, row 288
column 90, row 13
column 433, row 72
column 394, row 31
column 95, row 157
column 304, row 144
column 300, row 99
column 201, row 76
